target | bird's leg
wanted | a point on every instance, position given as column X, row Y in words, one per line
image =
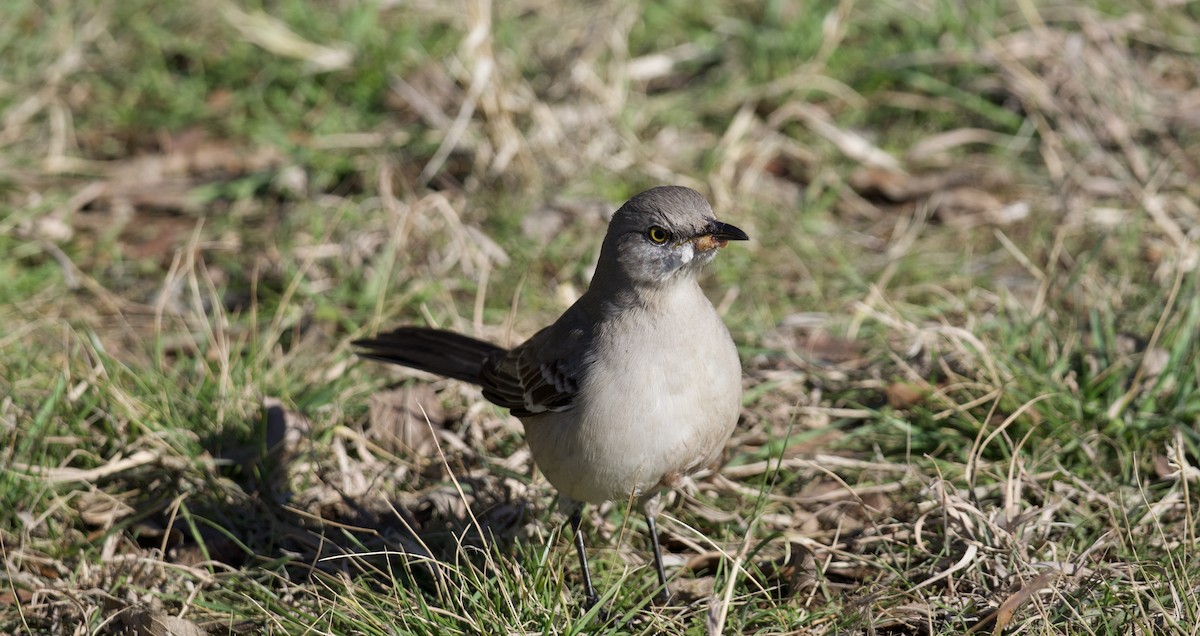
column 577, row 525
column 662, row 594
column 651, row 507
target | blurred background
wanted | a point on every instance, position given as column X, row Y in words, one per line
column 968, row 317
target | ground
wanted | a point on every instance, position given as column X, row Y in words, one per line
column 968, row 317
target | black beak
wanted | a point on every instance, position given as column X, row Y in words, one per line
column 725, row 232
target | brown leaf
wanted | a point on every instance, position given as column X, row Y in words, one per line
column 1004, row 614
column 703, row 562
column 14, row 597
column 1163, row 467
column 686, row 590
column 902, row 395
column 101, row 509
column 145, row 622
column 826, row 347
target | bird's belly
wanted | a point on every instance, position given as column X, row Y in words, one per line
column 662, row 412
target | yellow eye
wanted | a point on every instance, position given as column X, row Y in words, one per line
column 657, row 235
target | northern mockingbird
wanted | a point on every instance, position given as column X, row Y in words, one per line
column 636, row 385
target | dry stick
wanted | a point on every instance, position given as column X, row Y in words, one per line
column 1056, row 249
column 718, row 612
column 174, row 507
column 1135, row 386
column 819, row 461
column 992, row 396
column 834, row 33
column 1186, row 473
column 60, row 475
column 1016, row 253
column 401, row 222
column 480, row 77
column 977, row 449
column 969, row 474
column 1012, row 484
column 849, row 143
column 477, row 45
column 278, row 38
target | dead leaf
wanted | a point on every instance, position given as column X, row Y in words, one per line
column 101, row 510
column 146, row 622
column 703, row 562
column 902, row 395
column 15, row 597
column 686, row 590
column 1004, row 614
column 1163, row 467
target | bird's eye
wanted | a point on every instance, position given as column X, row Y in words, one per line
column 657, row 235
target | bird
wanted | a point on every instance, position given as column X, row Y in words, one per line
column 635, row 386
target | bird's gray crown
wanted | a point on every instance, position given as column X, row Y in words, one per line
column 682, row 211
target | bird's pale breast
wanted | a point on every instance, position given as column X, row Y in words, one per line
column 662, row 398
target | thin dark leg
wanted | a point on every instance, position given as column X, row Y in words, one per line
column 662, row 595
column 588, row 590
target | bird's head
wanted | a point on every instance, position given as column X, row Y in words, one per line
column 662, row 234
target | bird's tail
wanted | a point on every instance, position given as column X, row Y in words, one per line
column 433, row 350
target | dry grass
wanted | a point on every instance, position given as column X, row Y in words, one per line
column 968, row 319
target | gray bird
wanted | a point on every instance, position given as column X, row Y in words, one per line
column 635, row 386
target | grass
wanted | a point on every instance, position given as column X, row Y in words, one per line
column 968, row 318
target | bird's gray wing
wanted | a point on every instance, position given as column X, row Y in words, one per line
column 542, row 374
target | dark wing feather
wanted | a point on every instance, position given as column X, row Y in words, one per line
column 540, row 375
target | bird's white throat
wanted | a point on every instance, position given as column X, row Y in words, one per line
column 685, row 253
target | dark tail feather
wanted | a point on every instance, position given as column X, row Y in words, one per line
column 434, row 350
